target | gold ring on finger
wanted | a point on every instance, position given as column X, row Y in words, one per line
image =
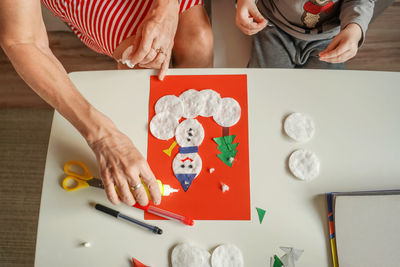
column 136, row 186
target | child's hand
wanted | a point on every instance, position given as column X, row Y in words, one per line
column 344, row 46
column 248, row 18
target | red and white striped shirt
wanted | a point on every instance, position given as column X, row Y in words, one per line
column 103, row 24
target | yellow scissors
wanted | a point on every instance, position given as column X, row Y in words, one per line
column 79, row 180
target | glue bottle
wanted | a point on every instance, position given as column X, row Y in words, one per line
column 165, row 189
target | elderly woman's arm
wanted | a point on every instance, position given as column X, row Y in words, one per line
column 23, row 38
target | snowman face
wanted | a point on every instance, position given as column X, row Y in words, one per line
column 187, row 164
column 189, row 133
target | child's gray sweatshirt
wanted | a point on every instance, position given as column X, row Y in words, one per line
column 317, row 19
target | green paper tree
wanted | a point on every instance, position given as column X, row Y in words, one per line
column 227, row 148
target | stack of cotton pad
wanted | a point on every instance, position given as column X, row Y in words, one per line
column 303, row 164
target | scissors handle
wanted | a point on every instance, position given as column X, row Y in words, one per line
column 85, row 176
column 76, row 183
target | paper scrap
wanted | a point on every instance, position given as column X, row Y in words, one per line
column 169, row 150
column 261, row 214
column 276, row 262
column 137, row 263
column 291, row 256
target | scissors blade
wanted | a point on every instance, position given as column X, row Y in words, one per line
column 96, row 183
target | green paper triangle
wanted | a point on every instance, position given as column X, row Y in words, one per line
column 232, row 146
column 219, row 140
column 227, row 148
column 225, row 159
column 277, row 262
column 229, row 139
column 223, row 148
column 261, row 214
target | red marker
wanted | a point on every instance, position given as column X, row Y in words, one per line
column 165, row 214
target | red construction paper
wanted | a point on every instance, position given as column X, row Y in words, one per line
column 137, row 263
column 205, row 200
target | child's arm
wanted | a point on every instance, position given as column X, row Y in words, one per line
column 248, row 18
column 355, row 16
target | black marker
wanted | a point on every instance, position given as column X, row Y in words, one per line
column 117, row 214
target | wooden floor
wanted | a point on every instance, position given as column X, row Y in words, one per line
column 25, row 122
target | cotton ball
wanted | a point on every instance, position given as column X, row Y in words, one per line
column 163, row 125
column 304, row 164
column 86, row 244
column 193, row 103
column 299, row 127
column 212, row 102
column 185, row 255
column 227, row 255
column 171, row 104
column 125, row 57
column 229, row 112
column 224, row 187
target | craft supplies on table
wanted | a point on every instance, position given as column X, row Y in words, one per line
column 86, row 179
column 355, row 154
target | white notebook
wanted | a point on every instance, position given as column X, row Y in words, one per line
column 367, row 230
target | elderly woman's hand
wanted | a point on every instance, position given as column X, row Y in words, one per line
column 154, row 39
column 123, row 166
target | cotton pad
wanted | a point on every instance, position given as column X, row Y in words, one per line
column 171, row 104
column 212, row 102
column 193, row 103
column 304, row 164
column 299, row 127
column 125, row 57
column 187, row 164
column 185, row 255
column 189, row 133
column 227, row 255
column 163, row 125
column 229, row 112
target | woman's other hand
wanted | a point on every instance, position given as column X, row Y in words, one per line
column 154, row 38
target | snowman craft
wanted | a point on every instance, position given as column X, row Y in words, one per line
column 189, row 133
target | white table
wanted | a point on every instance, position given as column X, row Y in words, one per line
column 357, row 115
